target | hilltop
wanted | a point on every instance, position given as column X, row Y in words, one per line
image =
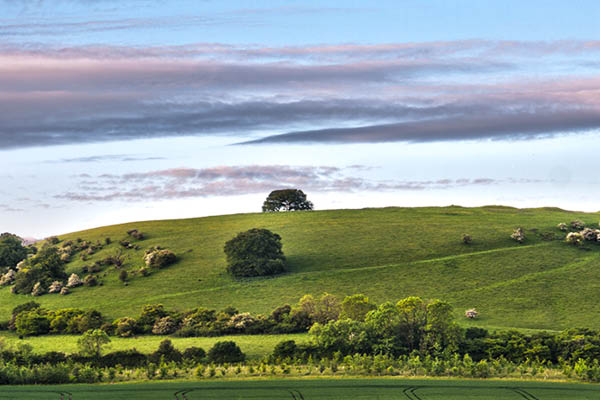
column 386, row 253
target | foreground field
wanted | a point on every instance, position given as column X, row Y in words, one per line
column 386, row 254
column 317, row 389
column 254, row 346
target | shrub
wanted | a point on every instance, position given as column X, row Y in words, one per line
column 577, row 224
column 65, row 291
column 55, row 287
column 195, row 354
column 8, row 278
column 167, row 352
column 285, row 349
column 225, row 352
column 591, row 235
column 126, row 358
column 125, row 327
column 256, row 252
column 34, row 322
column 53, row 240
column 471, row 313
column 74, row 281
column 157, row 258
column 91, row 280
column 563, row 227
column 123, row 276
column 518, row 235
column 38, row 289
column 574, row 238
column 467, row 239
column 144, row 271
column 164, row 326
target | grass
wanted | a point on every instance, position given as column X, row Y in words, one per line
column 316, row 389
column 254, row 346
column 387, row 254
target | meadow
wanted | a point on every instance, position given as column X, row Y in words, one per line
column 386, row 254
column 317, row 389
column 254, row 346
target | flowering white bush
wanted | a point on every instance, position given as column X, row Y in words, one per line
column 8, row 278
column 241, row 321
column 56, row 287
column 74, row 281
column 471, row 313
column 563, row 227
column 159, row 258
column 589, row 234
column 64, row 291
column 574, row 238
column 518, row 235
column 38, row 290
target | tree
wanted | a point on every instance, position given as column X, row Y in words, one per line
column 226, row 352
column 256, row 252
column 286, row 200
column 45, row 267
column 92, row 341
column 11, row 250
column 356, row 307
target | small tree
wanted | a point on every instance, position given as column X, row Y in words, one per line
column 123, row 276
column 256, row 252
column 225, row 352
column 92, row 341
column 286, row 200
column 518, row 235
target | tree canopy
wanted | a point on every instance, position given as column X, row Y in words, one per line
column 11, row 250
column 286, row 200
column 255, row 252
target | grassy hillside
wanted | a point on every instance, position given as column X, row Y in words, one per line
column 387, row 254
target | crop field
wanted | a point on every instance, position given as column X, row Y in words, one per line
column 317, row 389
column 386, row 254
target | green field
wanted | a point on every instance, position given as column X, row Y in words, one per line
column 254, row 346
column 387, row 254
column 382, row 389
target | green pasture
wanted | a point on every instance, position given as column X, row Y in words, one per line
column 254, row 346
column 317, row 389
column 387, row 254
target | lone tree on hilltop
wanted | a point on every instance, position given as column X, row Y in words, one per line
column 286, row 200
column 256, row 252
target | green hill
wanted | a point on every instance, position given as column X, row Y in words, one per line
column 387, row 254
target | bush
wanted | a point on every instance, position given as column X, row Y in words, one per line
column 563, row 227
column 166, row 352
column 285, row 349
column 518, row 235
column 195, row 354
column 574, row 238
column 256, row 252
column 577, row 225
column 225, row 352
column 156, row 258
column 34, row 322
column 467, row 239
column 74, row 281
column 123, row 276
column 91, row 280
column 164, row 326
column 125, row 327
column 126, row 358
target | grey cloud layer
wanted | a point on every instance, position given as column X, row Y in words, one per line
column 179, row 183
column 330, row 94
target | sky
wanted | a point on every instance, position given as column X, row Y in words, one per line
column 118, row 111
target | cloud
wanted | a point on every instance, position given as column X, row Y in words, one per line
column 101, row 158
column 178, row 183
column 327, row 93
column 512, row 125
